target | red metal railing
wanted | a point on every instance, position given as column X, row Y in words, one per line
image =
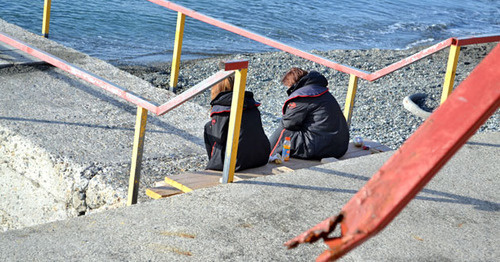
column 74, row 70
column 462, row 41
column 259, row 38
column 453, row 43
column 355, row 74
column 115, row 89
column 143, row 105
column 431, row 50
column 321, row 60
column 417, row 161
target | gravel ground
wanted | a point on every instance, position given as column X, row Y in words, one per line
column 378, row 112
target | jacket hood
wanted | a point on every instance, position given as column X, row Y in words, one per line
column 225, row 99
column 222, row 102
column 313, row 78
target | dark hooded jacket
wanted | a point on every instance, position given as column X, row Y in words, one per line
column 313, row 120
column 253, row 147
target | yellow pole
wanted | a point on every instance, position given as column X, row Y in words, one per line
column 451, row 69
column 176, row 60
column 349, row 100
column 46, row 18
column 135, row 167
column 233, row 137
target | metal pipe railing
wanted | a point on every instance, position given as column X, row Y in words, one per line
column 80, row 73
column 406, row 173
column 193, row 91
column 144, row 106
column 409, row 60
column 354, row 73
column 262, row 39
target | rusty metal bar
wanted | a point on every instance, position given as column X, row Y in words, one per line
column 235, row 65
column 234, row 124
column 80, row 73
column 417, row 161
column 135, row 167
column 46, row 18
column 262, row 39
column 193, row 91
column 481, row 39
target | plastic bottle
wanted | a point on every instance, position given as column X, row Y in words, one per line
column 286, row 149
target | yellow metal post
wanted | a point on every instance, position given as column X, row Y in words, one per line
column 451, row 70
column 46, row 18
column 135, row 167
column 349, row 100
column 233, row 137
column 176, row 60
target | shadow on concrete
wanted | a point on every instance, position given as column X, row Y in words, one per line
column 482, row 144
column 315, row 188
column 130, row 109
column 443, row 197
column 19, row 119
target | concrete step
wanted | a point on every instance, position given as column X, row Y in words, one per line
column 189, row 181
column 454, row 218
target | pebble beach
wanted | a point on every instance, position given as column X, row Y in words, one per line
column 378, row 112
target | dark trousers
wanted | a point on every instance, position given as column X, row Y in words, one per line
column 277, row 138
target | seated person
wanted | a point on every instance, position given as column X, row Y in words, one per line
column 312, row 118
column 253, row 148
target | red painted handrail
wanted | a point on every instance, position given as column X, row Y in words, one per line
column 411, row 59
column 261, row 39
column 188, row 94
column 461, row 41
column 74, row 70
column 319, row 59
column 417, row 161
column 117, row 90
column 229, row 68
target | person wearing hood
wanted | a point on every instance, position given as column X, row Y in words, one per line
column 312, row 118
column 253, row 148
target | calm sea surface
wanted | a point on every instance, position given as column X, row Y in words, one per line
column 140, row 31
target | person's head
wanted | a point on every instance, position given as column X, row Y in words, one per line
column 222, row 86
column 293, row 76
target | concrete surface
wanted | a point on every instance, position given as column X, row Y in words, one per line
column 10, row 56
column 74, row 140
column 455, row 218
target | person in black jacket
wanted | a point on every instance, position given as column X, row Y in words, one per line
column 312, row 118
column 253, row 148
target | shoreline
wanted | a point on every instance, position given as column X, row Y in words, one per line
column 378, row 112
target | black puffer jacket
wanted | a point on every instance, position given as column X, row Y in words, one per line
column 253, row 147
column 313, row 120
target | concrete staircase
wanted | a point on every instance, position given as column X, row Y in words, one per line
column 189, row 181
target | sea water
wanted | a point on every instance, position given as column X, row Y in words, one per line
column 138, row 31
